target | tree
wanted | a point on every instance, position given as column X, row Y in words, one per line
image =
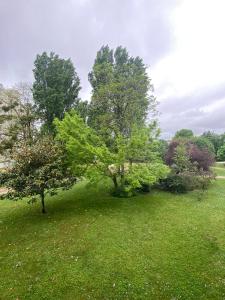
column 38, row 169
column 184, row 133
column 56, row 87
column 133, row 164
column 216, row 139
column 204, row 144
column 17, row 117
column 221, row 153
column 120, row 96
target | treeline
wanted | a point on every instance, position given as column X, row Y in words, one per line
column 53, row 138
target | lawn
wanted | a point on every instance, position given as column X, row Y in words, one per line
column 219, row 169
column 93, row 246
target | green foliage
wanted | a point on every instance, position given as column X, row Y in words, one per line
column 216, row 139
column 186, row 181
column 130, row 164
column 37, row 169
column 185, row 173
column 184, row 133
column 120, row 98
column 221, row 153
column 181, row 159
column 56, row 87
column 204, row 144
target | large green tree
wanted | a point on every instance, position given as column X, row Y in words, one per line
column 135, row 164
column 56, row 87
column 121, row 95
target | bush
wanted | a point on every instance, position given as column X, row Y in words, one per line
column 185, row 182
column 201, row 158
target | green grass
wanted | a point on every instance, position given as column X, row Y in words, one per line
column 219, row 169
column 93, row 246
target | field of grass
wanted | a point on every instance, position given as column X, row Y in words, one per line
column 219, row 169
column 93, row 246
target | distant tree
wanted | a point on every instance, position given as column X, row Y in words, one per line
column 17, row 117
column 120, row 96
column 133, row 165
column 56, row 87
column 38, row 169
column 216, row 139
column 204, row 144
column 184, row 133
column 221, row 153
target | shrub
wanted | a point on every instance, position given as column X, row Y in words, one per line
column 201, row 158
column 185, row 182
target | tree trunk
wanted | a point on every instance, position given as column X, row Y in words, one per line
column 122, row 175
column 43, row 202
column 115, row 181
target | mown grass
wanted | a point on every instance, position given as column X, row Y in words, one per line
column 219, row 169
column 93, row 246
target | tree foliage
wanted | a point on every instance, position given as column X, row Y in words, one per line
column 56, row 87
column 38, row 169
column 120, row 95
column 221, row 153
column 202, row 158
column 184, row 133
column 216, row 139
column 132, row 164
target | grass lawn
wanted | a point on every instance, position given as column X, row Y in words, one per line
column 93, row 246
column 219, row 169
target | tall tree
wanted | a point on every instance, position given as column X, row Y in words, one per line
column 120, row 96
column 56, row 87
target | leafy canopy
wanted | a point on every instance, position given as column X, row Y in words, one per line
column 132, row 164
column 38, row 169
column 56, row 87
column 120, row 95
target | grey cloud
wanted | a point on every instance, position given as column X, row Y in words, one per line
column 77, row 29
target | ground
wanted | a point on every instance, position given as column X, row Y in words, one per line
column 93, row 246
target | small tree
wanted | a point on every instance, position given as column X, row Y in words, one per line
column 130, row 165
column 37, row 170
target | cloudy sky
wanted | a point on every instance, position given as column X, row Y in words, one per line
column 182, row 42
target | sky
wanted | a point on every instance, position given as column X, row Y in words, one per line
column 181, row 41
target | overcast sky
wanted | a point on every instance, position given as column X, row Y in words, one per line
column 182, row 42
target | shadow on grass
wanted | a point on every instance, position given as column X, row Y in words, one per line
column 81, row 200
